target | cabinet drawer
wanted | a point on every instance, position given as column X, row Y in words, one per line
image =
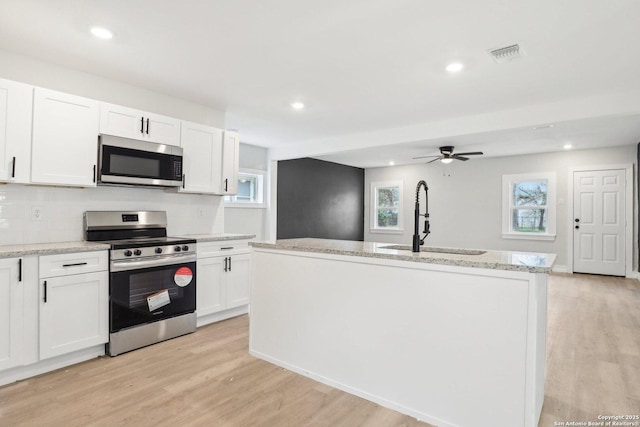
column 73, row 263
column 209, row 249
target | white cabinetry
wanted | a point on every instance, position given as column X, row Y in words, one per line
column 65, row 139
column 224, row 270
column 230, row 163
column 74, row 299
column 16, row 100
column 11, row 312
column 130, row 123
column 202, row 152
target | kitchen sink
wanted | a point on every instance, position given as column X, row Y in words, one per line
column 438, row 250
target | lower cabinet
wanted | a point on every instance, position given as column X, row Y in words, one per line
column 74, row 302
column 11, row 312
column 224, row 277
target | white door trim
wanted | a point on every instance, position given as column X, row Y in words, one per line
column 628, row 198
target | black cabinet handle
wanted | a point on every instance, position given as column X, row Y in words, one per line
column 13, row 167
column 229, row 263
column 147, row 126
column 226, row 248
column 77, row 264
column 141, row 124
column 184, row 180
column 45, row 291
column 94, row 173
column 20, row 270
column 226, row 184
column 577, row 220
column 577, row 227
column 225, row 264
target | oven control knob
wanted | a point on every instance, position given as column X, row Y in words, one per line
column 137, row 252
column 177, row 249
column 158, row 250
column 185, row 248
column 128, row 253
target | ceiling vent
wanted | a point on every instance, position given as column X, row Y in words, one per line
column 506, row 54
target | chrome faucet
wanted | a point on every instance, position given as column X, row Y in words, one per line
column 417, row 241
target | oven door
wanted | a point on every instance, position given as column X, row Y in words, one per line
column 147, row 291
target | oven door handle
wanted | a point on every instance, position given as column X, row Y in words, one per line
column 117, row 266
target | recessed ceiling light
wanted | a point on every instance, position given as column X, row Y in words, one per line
column 567, row 146
column 454, row 67
column 297, row 105
column 542, row 127
column 391, row 163
column 101, row 33
column 446, row 161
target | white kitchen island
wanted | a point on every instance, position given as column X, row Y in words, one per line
column 451, row 339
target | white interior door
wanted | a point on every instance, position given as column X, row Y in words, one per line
column 599, row 222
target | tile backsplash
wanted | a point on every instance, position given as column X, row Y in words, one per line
column 36, row 214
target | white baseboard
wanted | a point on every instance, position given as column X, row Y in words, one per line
column 634, row 275
column 560, row 269
column 222, row 315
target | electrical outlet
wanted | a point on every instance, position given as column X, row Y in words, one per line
column 36, row 213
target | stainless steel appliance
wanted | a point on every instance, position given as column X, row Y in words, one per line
column 152, row 278
column 125, row 161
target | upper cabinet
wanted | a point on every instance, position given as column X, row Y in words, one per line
column 230, row 162
column 135, row 124
column 65, row 139
column 202, row 151
column 16, row 101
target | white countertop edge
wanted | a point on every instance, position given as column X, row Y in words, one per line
column 14, row 251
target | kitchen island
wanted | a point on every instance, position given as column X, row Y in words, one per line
column 450, row 338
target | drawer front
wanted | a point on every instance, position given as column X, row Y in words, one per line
column 73, row 263
column 209, row 249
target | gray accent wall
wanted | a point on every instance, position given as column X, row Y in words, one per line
column 320, row 199
column 465, row 199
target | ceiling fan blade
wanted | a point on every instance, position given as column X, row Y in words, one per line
column 423, row 157
column 435, row 160
column 459, row 157
column 473, row 153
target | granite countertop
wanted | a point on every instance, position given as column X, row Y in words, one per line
column 496, row 260
column 218, row 237
column 11, row 251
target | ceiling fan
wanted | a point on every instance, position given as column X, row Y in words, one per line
column 447, row 156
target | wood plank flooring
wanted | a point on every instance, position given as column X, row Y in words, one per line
column 208, row 378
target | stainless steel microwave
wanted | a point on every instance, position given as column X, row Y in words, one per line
column 124, row 161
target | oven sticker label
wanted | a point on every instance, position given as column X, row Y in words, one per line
column 183, row 276
column 159, row 299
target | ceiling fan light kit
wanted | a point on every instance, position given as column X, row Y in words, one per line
column 447, row 155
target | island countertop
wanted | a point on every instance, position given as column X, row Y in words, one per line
column 531, row 262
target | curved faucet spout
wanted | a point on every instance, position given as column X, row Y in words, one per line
column 417, row 241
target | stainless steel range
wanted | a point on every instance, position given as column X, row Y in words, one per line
column 152, row 278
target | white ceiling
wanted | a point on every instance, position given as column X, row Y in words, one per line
column 362, row 67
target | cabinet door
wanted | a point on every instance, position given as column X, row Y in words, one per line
column 238, row 280
column 136, row 124
column 65, row 139
column 74, row 313
column 230, row 159
column 162, row 129
column 16, row 101
column 202, row 148
column 210, row 296
column 11, row 313
column 121, row 121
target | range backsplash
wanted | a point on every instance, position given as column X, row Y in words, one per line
column 35, row 214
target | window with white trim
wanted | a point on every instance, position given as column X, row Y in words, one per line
column 386, row 206
column 529, row 206
column 250, row 190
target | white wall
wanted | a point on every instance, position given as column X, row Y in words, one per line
column 465, row 198
column 62, row 208
column 250, row 220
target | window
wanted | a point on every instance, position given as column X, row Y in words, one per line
column 250, row 190
column 386, row 206
column 528, row 206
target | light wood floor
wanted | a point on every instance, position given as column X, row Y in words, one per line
column 208, row 379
